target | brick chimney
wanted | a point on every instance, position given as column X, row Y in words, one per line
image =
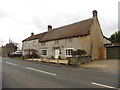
column 32, row 34
column 49, row 27
column 94, row 13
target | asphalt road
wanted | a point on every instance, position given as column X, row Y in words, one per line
column 27, row 74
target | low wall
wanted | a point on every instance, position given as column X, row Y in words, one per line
column 50, row 60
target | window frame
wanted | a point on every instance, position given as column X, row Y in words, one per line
column 68, row 40
column 42, row 52
column 56, row 42
column 43, row 43
column 66, row 52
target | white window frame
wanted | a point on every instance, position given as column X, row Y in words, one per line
column 65, row 52
column 46, row 53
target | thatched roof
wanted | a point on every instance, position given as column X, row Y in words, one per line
column 81, row 28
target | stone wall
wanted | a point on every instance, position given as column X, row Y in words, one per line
column 75, row 43
column 97, row 39
column 30, row 45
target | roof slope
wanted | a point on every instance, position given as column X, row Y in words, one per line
column 37, row 36
column 76, row 29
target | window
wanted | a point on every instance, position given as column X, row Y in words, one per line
column 44, row 52
column 69, row 52
column 68, row 40
column 34, row 43
column 65, row 40
column 56, row 42
column 59, row 51
column 43, row 43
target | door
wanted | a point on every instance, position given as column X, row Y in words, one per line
column 101, row 53
column 113, row 52
column 56, row 53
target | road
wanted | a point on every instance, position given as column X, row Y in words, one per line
column 27, row 74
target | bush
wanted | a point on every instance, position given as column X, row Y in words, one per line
column 59, row 58
column 78, row 58
column 77, row 61
column 73, row 61
column 79, row 53
column 52, row 57
column 33, row 55
column 26, row 56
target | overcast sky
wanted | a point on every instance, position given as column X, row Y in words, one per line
column 18, row 18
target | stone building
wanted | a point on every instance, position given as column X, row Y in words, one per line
column 85, row 35
column 31, row 43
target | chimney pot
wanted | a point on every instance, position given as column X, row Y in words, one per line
column 32, row 34
column 94, row 13
column 49, row 27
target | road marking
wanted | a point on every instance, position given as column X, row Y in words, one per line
column 40, row 71
column 11, row 63
column 102, row 85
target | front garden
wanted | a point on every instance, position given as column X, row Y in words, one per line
column 79, row 57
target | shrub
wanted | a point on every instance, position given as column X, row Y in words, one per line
column 26, row 56
column 78, row 58
column 73, row 61
column 34, row 55
column 79, row 53
column 59, row 58
column 52, row 57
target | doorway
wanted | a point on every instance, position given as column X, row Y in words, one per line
column 56, row 53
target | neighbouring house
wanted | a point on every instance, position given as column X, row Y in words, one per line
column 60, row 42
column 8, row 48
column 31, row 44
column 107, row 41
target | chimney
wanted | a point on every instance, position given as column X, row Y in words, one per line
column 94, row 13
column 32, row 34
column 49, row 27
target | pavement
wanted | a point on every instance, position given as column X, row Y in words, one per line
column 26, row 74
column 107, row 66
